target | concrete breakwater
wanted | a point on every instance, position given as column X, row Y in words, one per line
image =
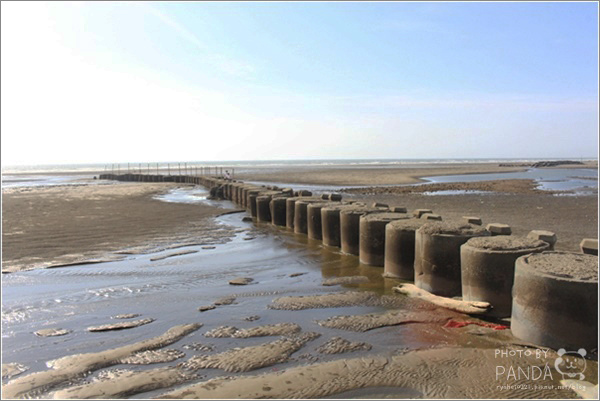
column 445, row 258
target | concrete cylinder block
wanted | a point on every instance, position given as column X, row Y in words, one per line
column 335, row 197
column 555, row 300
column 350, row 227
column 589, row 246
column 315, row 228
column 263, row 209
column 546, row 236
column 400, row 248
column 289, row 211
column 398, row 209
column 473, row 220
column 301, row 214
column 437, row 255
column 488, row 269
column 251, row 200
column 431, row 216
column 377, row 204
column 372, row 236
column 325, row 196
column 278, row 211
column 499, row 229
column 330, row 223
column 419, row 212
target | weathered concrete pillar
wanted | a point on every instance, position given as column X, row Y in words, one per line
column 546, row 236
column 278, row 210
column 335, row 197
column 263, row 210
column 555, row 300
column 301, row 215
column 437, row 255
column 400, row 248
column 589, row 246
column 251, row 201
column 488, row 269
column 372, row 236
column 431, row 216
column 350, row 227
column 315, row 227
column 290, row 206
column 380, row 205
column 330, row 223
column 398, row 209
column 499, row 229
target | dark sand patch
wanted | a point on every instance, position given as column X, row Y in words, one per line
column 251, row 318
column 71, row 367
column 434, row 373
column 170, row 255
column 122, row 383
column 345, row 280
column 297, row 274
column 278, row 329
column 251, row 358
column 339, row 345
column 121, row 325
column 376, row 320
column 153, row 356
column 206, row 308
column 10, row 370
column 51, row 332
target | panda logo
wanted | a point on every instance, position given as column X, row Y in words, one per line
column 571, row 364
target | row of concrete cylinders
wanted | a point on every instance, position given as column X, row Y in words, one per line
column 445, row 265
column 187, row 179
column 544, row 310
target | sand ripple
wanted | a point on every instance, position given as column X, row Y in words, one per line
column 278, row 329
column 71, row 367
column 250, row 358
column 373, row 321
column 339, row 345
column 336, row 300
column 434, row 373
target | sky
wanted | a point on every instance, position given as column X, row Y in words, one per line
column 108, row 82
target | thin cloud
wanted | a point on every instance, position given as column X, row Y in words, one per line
column 219, row 61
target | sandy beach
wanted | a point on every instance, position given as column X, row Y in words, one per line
column 307, row 321
column 58, row 225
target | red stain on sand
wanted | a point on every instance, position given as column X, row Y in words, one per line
column 455, row 324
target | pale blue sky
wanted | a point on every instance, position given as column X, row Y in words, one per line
column 158, row 81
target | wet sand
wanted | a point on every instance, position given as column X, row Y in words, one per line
column 285, row 334
column 61, row 225
column 377, row 175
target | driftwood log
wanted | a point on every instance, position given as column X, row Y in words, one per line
column 468, row 307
